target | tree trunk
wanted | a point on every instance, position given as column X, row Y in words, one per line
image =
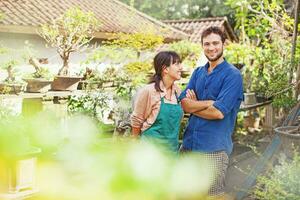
column 297, row 89
column 35, row 64
column 64, row 71
column 10, row 74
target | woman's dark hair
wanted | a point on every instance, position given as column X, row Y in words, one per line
column 215, row 30
column 161, row 60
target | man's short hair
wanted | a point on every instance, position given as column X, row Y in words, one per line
column 215, row 30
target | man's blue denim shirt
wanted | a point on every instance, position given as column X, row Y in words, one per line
column 224, row 85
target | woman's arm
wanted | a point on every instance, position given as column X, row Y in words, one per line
column 140, row 111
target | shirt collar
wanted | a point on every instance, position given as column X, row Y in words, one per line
column 164, row 91
column 218, row 67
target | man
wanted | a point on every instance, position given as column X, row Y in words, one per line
column 212, row 96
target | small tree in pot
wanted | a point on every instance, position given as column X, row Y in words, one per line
column 41, row 79
column 69, row 33
column 8, row 63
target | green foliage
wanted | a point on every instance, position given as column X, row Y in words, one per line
column 9, row 63
column 29, row 55
column 136, row 41
column 119, row 79
column 5, row 111
column 111, row 54
column 92, row 104
column 139, row 72
column 265, row 49
column 178, row 9
column 258, row 19
column 13, row 141
column 2, row 50
column 281, row 183
column 189, row 52
column 76, row 162
column 124, row 51
column 42, row 73
column 135, row 68
column 70, row 33
column 239, row 53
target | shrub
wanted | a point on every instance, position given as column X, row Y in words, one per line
column 281, row 183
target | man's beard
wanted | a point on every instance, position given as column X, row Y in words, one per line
column 216, row 58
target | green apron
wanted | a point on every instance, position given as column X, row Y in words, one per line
column 165, row 130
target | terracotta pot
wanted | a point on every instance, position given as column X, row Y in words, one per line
column 65, row 83
column 38, row 85
column 11, row 88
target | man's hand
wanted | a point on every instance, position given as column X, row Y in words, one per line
column 190, row 94
column 207, row 112
column 191, row 104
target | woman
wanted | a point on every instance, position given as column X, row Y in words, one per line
column 157, row 111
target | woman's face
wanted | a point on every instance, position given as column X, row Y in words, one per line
column 174, row 71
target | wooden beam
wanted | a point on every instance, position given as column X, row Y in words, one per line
column 33, row 30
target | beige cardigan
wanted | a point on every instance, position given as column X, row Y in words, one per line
column 147, row 105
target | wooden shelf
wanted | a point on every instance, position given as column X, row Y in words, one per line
column 244, row 107
column 50, row 94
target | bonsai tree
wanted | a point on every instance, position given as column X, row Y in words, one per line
column 10, row 84
column 69, row 33
column 29, row 56
column 9, row 64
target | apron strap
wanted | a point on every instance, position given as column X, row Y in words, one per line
column 176, row 95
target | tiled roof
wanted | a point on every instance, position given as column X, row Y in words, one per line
column 24, row 16
column 195, row 27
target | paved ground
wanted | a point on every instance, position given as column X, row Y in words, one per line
column 238, row 171
column 241, row 162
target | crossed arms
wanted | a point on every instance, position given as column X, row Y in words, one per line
column 203, row 109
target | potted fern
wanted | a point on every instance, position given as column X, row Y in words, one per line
column 69, row 33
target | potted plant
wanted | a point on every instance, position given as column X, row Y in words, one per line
column 39, row 81
column 69, row 33
column 10, row 85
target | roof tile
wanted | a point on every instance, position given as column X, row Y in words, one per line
column 113, row 15
column 195, row 27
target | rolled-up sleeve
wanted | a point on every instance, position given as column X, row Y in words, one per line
column 138, row 115
column 231, row 93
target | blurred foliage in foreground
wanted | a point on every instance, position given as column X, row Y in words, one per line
column 77, row 163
